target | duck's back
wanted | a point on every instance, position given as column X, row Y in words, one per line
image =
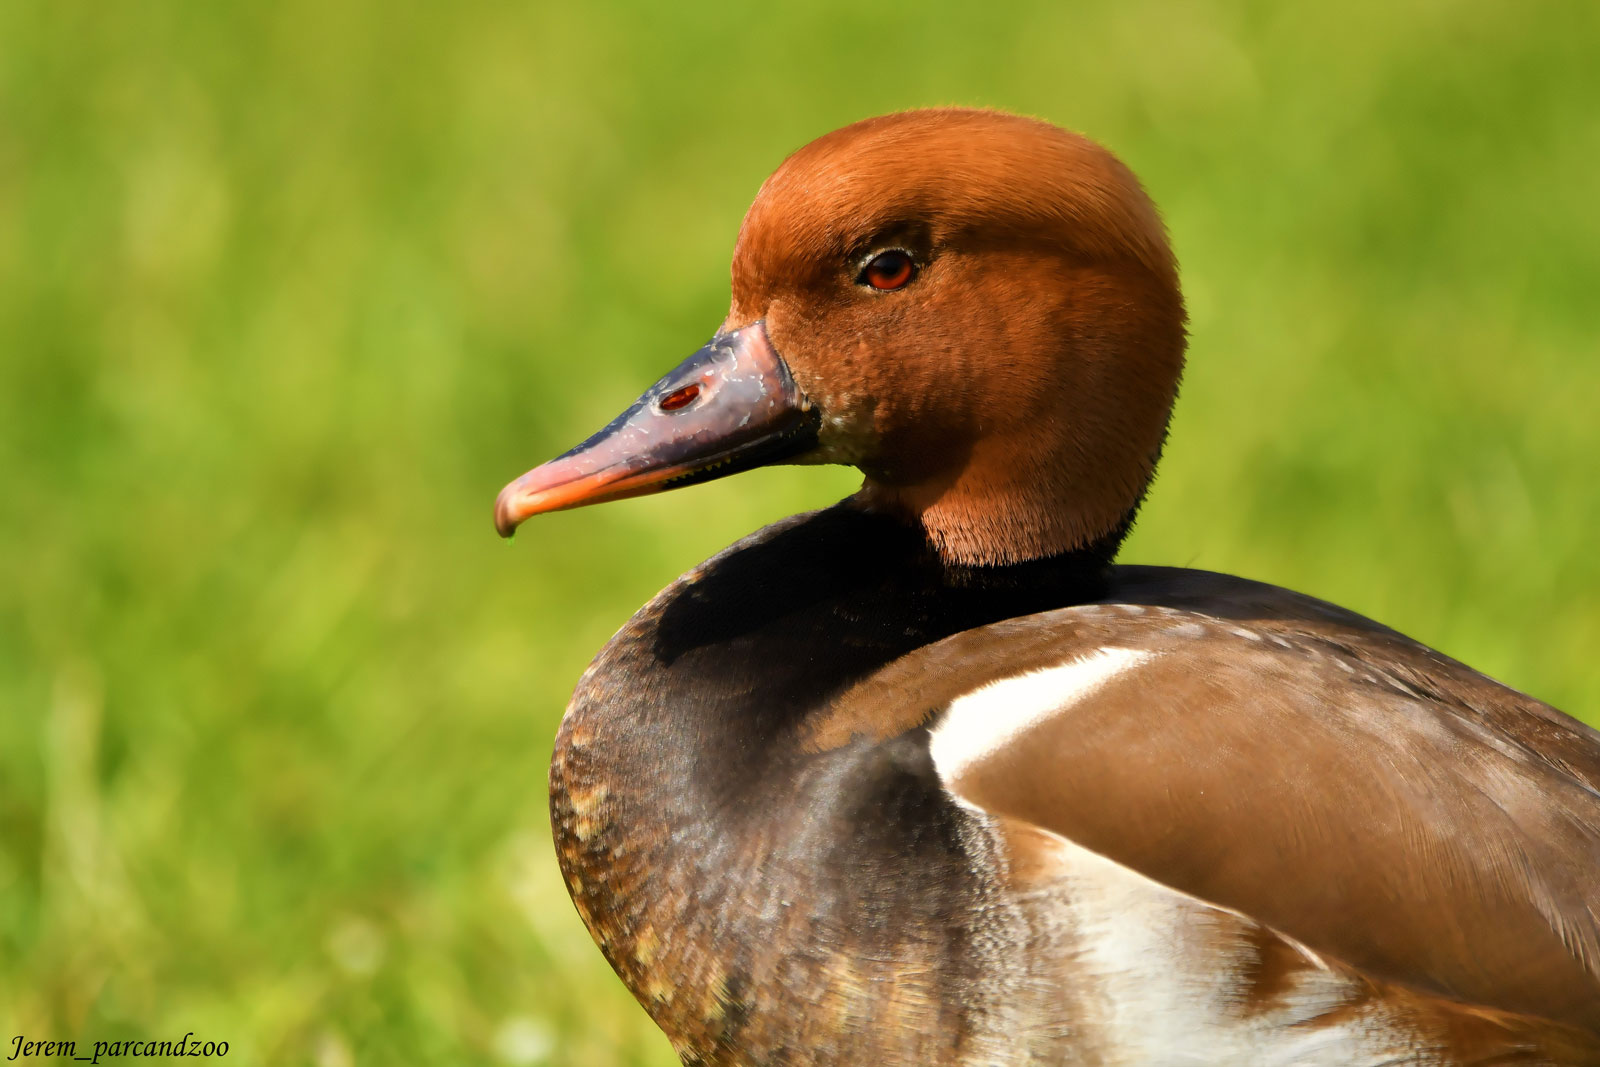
column 1386, row 806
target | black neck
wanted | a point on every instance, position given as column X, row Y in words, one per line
column 765, row 633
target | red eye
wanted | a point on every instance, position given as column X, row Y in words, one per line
column 888, row 270
column 679, row 398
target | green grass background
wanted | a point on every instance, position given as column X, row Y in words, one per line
column 289, row 290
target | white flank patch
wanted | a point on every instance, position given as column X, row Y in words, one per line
column 980, row 723
column 1168, row 972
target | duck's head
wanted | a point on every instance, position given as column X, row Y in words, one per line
column 977, row 310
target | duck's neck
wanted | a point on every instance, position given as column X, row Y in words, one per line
column 717, row 858
column 1003, row 508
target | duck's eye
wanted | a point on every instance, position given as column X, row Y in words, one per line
column 888, row 270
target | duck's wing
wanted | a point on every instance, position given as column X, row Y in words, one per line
column 1384, row 806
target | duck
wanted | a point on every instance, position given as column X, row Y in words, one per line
column 925, row 777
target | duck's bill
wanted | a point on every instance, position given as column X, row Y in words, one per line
column 731, row 406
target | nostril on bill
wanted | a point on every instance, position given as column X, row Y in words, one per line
column 679, row 399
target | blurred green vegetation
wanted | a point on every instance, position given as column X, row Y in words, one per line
column 287, row 291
